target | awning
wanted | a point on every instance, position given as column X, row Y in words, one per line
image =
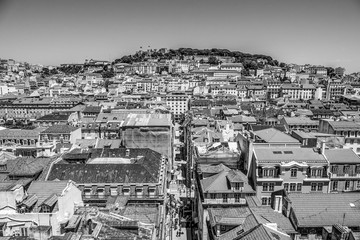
column 13, row 224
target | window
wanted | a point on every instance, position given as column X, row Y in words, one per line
column 320, row 186
column 357, row 169
column 45, row 209
column 225, row 197
column 313, row 186
column 264, row 201
column 113, row 191
column 237, row 197
column 293, row 172
column 139, row 191
column 313, row 172
column 299, row 185
column 292, row 187
column 286, row 186
column 335, row 185
column 346, row 169
column 126, row 191
column 238, row 185
column 152, row 191
column 265, row 172
column 100, row 193
column 222, row 227
column 87, row 193
column 265, row 187
column 347, row 185
column 24, row 231
column 334, row 169
column 271, row 187
column 358, row 184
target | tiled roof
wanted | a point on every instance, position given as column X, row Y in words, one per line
column 228, row 216
column 60, row 128
column 24, row 166
column 318, row 210
column 287, row 154
column 206, row 168
column 45, row 190
column 147, row 120
column 343, row 125
column 236, row 176
column 20, row 133
column 92, row 109
column 145, row 169
column 112, row 143
column 54, row 117
column 342, row 156
column 266, row 214
column 300, row 121
column 272, row 135
column 262, row 127
column 219, row 183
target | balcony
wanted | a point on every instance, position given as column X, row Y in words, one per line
column 220, row 201
column 104, row 197
column 344, row 175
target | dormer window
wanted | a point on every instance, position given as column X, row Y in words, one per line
column 45, row 209
column 238, row 185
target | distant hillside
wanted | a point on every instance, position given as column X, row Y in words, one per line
column 250, row 61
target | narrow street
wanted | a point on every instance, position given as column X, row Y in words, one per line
column 173, row 226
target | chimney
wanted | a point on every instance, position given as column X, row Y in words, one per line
column 322, row 149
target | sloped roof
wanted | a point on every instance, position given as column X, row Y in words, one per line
column 145, row 167
column 60, row 128
column 288, row 154
column 45, row 190
column 267, row 215
column 272, row 135
column 206, row 168
column 318, row 210
column 92, row 109
column 219, row 183
column 20, row 133
column 228, row 216
column 342, row 156
column 236, row 176
column 23, row 166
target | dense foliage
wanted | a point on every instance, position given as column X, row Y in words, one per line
column 250, row 61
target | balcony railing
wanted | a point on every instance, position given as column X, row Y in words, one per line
column 131, row 196
column 224, row 201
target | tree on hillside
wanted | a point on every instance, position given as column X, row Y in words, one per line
column 212, row 60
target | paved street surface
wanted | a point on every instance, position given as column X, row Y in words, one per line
column 173, row 225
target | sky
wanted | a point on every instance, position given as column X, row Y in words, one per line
column 51, row 32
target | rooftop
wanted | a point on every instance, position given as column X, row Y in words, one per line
column 318, row 210
column 288, row 154
column 148, row 120
column 272, row 135
column 342, row 156
column 60, row 128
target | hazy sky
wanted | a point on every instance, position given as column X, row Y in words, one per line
column 294, row 31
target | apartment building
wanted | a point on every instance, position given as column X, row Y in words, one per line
column 347, row 129
column 303, row 170
column 178, row 103
column 344, row 170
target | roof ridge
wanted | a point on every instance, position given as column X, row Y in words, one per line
column 214, row 177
